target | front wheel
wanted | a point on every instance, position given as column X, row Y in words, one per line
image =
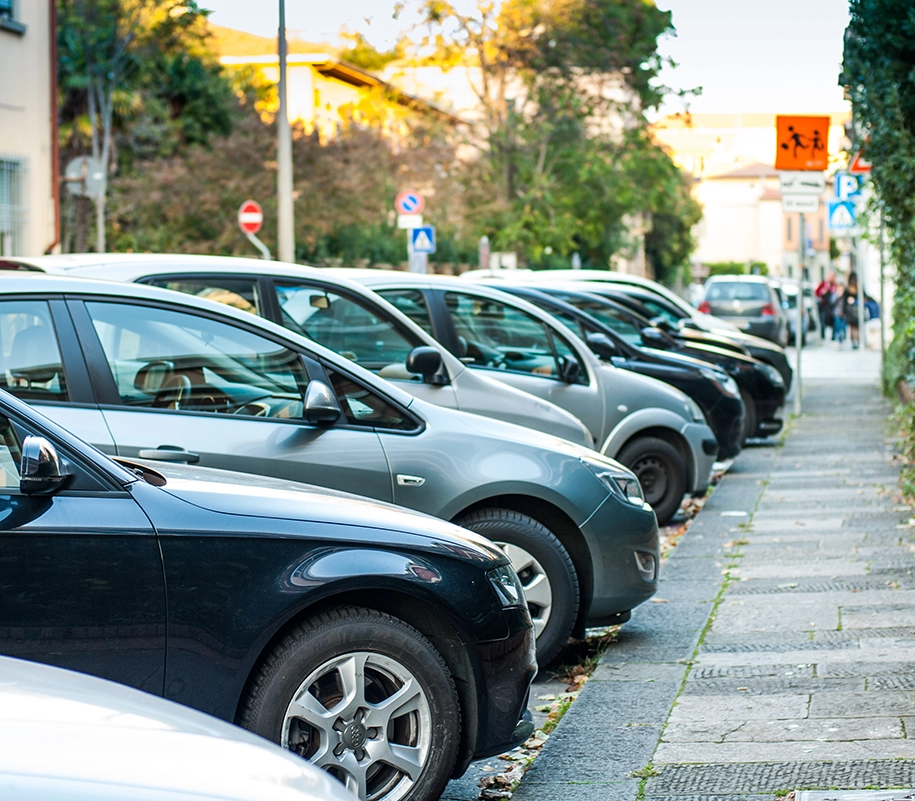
column 749, row 418
column 661, row 472
column 545, row 568
column 367, row 698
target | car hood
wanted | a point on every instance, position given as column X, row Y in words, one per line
column 649, row 391
column 249, row 495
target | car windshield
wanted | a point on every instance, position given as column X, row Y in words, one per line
column 737, row 290
column 610, row 317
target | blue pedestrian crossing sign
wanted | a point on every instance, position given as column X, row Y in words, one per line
column 423, row 239
column 842, row 216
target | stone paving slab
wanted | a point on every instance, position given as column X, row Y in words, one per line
column 809, row 751
column 826, row 730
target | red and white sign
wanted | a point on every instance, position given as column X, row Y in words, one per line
column 250, row 217
column 409, row 202
column 859, row 165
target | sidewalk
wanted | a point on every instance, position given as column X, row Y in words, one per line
column 778, row 652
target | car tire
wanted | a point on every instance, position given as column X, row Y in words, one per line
column 545, row 568
column 749, row 417
column 321, row 693
column 661, row 472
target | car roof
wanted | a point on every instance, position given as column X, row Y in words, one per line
column 42, row 283
column 65, row 262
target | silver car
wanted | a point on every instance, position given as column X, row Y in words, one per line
column 341, row 315
column 72, row 737
column 646, row 424
column 140, row 371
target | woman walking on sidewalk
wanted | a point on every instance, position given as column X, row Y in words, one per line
column 838, row 315
column 850, row 305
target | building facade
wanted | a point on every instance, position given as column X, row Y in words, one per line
column 28, row 128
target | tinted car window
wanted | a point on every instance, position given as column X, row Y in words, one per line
column 609, row 317
column 170, row 360
column 10, row 455
column 737, row 290
column 412, row 303
column 29, row 354
column 363, row 407
column 343, row 324
column 239, row 293
column 492, row 334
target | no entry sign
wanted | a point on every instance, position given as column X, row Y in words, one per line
column 409, row 202
column 250, row 217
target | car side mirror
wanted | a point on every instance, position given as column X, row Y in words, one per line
column 321, row 404
column 601, row 344
column 39, row 471
column 664, row 325
column 427, row 362
column 653, row 338
column 569, row 369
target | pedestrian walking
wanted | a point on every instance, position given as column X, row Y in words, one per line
column 826, row 297
column 850, row 306
column 838, row 315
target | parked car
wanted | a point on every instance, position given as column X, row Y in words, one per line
column 760, row 385
column 141, row 371
column 751, row 302
column 788, row 293
column 657, row 431
column 339, row 314
column 73, row 737
column 714, row 390
column 344, row 629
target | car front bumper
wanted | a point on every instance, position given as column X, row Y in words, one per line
column 699, row 436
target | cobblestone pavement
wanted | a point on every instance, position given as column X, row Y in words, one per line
column 777, row 654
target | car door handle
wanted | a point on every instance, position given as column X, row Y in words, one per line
column 410, row 481
column 169, row 453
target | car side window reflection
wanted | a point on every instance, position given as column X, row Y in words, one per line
column 363, row 407
column 345, row 326
column 239, row 293
column 495, row 335
column 10, row 455
column 412, row 303
column 164, row 359
column 30, row 363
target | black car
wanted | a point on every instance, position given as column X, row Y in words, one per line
column 761, row 386
column 713, row 390
column 657, row 308
column 387, row 647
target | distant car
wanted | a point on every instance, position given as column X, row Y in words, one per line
column 751, row 302
column 72, row 737
column 788, row 293
column 712, row 388
column 387, row 647
column 649, row 426
column 146, row 372
column 338, row 314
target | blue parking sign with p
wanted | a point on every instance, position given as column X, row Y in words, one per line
column 423, row 239
column 847, row 186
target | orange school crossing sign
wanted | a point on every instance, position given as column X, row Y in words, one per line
column 801, row 143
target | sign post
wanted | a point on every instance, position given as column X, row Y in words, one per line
column 409, row 205
column 801, row 146
column 250, row 220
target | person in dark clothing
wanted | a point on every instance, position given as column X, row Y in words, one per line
column 850, row 304
column 826, row 298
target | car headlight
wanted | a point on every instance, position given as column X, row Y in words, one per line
column 772, row 374
column 722, row 380
column 507, row 585
column 619, row 481
column 695, row 411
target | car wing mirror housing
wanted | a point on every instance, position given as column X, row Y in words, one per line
column 39, row 472
column 602, row 345
column 653, row 337
column 569, row 370
column 321, row 404
column 427, row 362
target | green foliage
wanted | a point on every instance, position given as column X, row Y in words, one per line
column 737, row 268
column 362, row 54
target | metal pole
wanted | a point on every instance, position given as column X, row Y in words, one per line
column 862, row 334
column 285, row 224
column 798, row 331
column 882, row 301
column 265, row 251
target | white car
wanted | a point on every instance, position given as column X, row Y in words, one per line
column 72, row 737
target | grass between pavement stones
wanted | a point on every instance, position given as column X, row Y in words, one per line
column 575, row 664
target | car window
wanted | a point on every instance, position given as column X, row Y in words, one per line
column 660, row 310
column 29, row 354
column 737, row 290
column 345, row 325
column 610, row 317
column 412, row 303
column 495, row 335
column 164, row 359
column 10, row 455
column 239, row 293
column 364, row 407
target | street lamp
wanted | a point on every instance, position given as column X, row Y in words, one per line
column 285, row 221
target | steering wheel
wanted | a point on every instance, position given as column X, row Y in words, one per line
column 173, row 392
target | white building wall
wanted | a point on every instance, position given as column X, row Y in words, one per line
column 27, row 197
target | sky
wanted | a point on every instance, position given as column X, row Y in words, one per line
column 780, row 56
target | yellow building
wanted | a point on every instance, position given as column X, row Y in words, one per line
column 28, row 128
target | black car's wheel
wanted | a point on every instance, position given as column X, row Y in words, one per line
column 545, row 568
column 749, row 417
column 367, row 698
column 660, row 471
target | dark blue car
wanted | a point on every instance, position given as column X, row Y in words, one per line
column 387, row 647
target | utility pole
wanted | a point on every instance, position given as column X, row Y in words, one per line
column 285, row 218
column 799, row 328
column 882, row 299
